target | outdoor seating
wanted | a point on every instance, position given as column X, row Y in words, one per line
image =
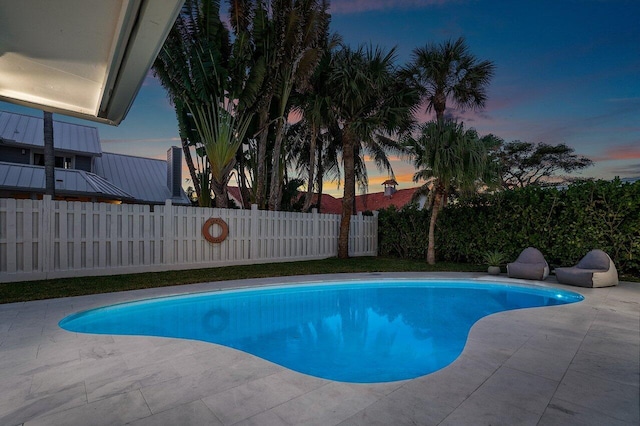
column 596, row 269
column 530, row 265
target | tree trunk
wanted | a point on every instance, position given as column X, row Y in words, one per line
column 312, row 169
column 349, row 193
column 190, row 166
column 276, row 177
column 220, row 191
column 320, row 177
column 439, row 105
column 435, row 209
column 261, row 172
column 49, row 156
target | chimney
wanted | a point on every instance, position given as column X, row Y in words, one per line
column 174, row 171
column 389, row 187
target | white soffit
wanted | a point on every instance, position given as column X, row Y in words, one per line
column 85, row 58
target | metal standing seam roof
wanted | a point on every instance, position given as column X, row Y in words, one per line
column 27, row 178
column 19, row 129
column 144, row 178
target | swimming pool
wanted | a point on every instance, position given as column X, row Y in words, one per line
column 360, row 332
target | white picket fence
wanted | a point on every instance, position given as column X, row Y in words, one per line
column 42, row 239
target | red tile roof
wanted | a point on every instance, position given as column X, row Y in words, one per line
column 378, row 200
column 375, row 201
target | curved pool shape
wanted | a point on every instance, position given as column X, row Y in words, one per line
column 362, row 332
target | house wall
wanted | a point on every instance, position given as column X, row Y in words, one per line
column 43, row 239
column 12, row 154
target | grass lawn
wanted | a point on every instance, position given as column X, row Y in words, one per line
column 47, row 289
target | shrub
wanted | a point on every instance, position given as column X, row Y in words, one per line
column 563, row 224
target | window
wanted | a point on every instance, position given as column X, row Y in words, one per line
column 61, row 162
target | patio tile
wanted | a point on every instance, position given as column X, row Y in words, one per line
column 490, row 412
column 608, row 397
column 615, row 347
column 42, row 404
column 195, row 413
column 563, row 413
column 557, row 340
column 327, row 405
column 403, row 407
column 267, row 418
column 119, row 409
column 187, row 389
column 121, row 379
column 514, row 388
column 545, row 364
column 622, row 370
column 453, row 384
column 249, row 399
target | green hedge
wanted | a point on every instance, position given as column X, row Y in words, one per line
column 563, row 224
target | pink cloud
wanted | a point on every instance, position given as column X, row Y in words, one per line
column 623, row 152
column 356, row 6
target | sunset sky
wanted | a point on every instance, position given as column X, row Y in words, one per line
column 567, row 71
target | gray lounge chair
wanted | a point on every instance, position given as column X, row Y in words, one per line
column 530, row 265
column 596, row 269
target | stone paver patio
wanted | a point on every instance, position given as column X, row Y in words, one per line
column 576, row 364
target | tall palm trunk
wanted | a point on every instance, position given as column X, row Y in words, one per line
column 438, row 199
column 320, row 177
column 439, row 105
column 349, row 192
column 261, row 172
column 49, row 156
column 312, row 169
column 276, row 173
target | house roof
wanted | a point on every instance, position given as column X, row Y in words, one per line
column 330, row 204
column 19, row 129
column 379, row 200
column 375, row 201
column 27, row 178
column 78, row 57
column 144, row 178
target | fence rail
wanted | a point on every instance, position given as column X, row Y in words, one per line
column 42, row 239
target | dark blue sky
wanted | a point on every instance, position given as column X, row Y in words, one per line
column 566, row 71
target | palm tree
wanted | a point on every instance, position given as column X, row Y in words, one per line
column 301, row 29
column 449, row 72
column 211, row 82
column 368, row 97
column 446, row 156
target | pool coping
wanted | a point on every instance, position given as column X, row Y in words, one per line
column 572, row 365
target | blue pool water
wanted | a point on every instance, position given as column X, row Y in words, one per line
column 361, row 332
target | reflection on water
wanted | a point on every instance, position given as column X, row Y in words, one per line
column 355, row 333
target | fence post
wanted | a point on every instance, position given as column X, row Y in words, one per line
column 168, row 234
column 254, row 237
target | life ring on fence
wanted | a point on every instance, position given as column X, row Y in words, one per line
column 215, row 221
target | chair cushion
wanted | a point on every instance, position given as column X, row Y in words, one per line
column 530, row 255
column 595, row 259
